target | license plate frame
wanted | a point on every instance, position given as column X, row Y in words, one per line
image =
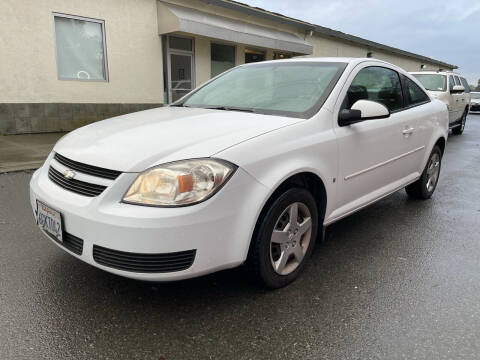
column 50, row 221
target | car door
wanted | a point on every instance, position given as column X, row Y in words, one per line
column 453, row 101
column 459, row 100
column 373, row 154
column 417, row 104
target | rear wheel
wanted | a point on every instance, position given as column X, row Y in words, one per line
column 458, row 130
column 424, row 187
column 285, row 238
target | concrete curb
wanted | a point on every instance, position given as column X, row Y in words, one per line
column 4, row 169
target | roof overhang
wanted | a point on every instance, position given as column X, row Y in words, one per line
column 175, row 18
column 321, row 30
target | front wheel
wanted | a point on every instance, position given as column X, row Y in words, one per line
column 285, row 238
column 424, row 187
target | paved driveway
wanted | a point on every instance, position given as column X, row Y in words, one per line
column 398, row 280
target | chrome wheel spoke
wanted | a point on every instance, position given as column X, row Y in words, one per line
column 282, row 261
column 304, row 226
column 298, row 253
column 293, row 213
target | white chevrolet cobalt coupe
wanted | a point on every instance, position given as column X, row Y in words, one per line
column 249, row 168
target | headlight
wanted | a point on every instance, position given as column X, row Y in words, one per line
column 179, row 183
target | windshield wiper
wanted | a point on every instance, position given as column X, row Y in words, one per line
column 230, row 108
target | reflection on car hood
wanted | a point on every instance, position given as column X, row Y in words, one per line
column 134, row 142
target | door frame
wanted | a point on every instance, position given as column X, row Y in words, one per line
column 170, row 52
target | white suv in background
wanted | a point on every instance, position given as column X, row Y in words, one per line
column 453, row 90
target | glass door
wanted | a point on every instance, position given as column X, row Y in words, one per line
column 180, row 74
column 180, row 65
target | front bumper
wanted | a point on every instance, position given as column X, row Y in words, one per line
column 218, row 230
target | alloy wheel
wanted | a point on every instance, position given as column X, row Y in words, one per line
column 290, row 238
column 433, row 171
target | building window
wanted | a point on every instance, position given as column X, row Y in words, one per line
column 179, row 43
column 222, row 58
column 80, row 48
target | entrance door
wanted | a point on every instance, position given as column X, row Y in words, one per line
column 180, row 75
column 179, row 67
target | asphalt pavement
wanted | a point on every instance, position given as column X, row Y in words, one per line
column 397, row 280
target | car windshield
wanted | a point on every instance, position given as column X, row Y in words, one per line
column 433, row 82
column 475, row 95
column 296, row 89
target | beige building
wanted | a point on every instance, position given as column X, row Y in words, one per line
column 69, row 63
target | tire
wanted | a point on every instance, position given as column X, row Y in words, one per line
column 278, row 256
column 458, row 130
column 424, row 187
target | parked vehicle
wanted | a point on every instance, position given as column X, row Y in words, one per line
column 249, row 168
column 475, row 102
column 453, row 90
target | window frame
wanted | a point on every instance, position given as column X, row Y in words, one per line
column 401, row 87
column 82, row 18
column 406, row 104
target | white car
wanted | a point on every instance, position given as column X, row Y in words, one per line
column 249, row 168
column 453, row 90
column 475, row 102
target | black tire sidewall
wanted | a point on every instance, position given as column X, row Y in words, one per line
column 265, row 269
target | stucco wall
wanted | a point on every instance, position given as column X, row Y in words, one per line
column 326, row 46
column 28, row 70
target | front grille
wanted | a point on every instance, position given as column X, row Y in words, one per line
column 76, row 186
column 144, row 263
column 70, row 242
column 475, row 108
column 87, row 169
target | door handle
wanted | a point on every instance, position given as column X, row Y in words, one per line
column 408, row 131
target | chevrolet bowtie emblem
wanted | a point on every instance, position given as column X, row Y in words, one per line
column 69, row 174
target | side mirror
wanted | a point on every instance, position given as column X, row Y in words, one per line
column 457, row 89
column 362, row 110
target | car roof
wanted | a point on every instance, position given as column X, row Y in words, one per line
column 436, row 72
column 348, row 60
column 326, row 59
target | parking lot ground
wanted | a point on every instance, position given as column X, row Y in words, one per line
column 397, row 280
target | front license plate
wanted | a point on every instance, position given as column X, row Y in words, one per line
column 49, row 220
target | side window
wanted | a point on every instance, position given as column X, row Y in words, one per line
column 376, row 84
column 415, row 95
column 465, row 85
column 457, row 81
column 451, row 82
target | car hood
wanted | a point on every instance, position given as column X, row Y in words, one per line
column 135, row 142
